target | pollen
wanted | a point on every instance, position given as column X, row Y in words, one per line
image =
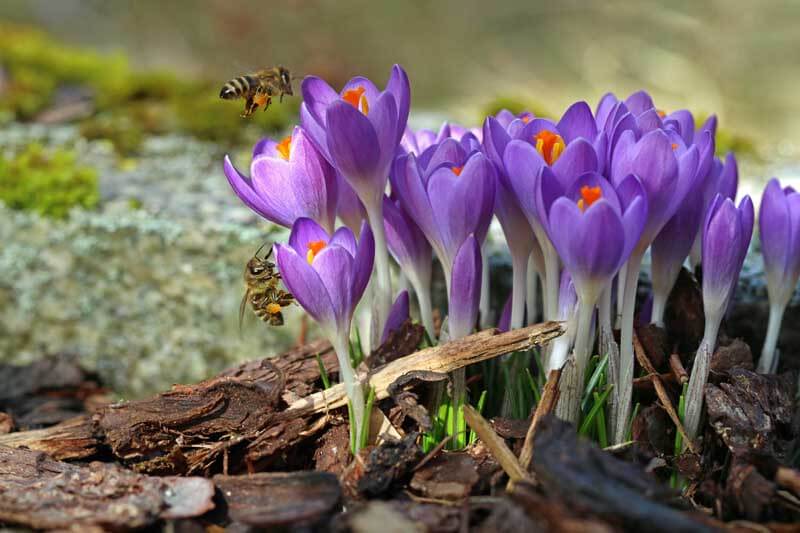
column 285, row 147
column 357, row 98
column 273, row 309
column 661, row 113
column 314, row 247
column 589, row 195
column 457, row 170
column 526, row 119
column 550, row 145
column 674, row 146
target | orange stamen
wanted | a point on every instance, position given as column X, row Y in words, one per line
column 661, row 113
column 550, row 145
column 314, row 247
column 589, row 195
column 355, row 97
column 526, row 119
column 674, row 146
column 285, row 147
column 457, row 170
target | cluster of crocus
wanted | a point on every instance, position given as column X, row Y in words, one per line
column 580, row 200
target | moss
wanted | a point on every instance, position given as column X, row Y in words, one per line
column 514, row 104
column 48, row 183
column 124, row 133
column 729, row 141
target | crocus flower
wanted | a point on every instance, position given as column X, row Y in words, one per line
column 594, row 227
column 462, row 313
column 327, row 275
column 674, row 242
column 667, row 178
column 523, row 148
column 726, row 236
column 723, row 179
column 398, row 314
column 288, row 180
column 779, row 226
column 359, row 131
column 449, row 194
column 413, row 253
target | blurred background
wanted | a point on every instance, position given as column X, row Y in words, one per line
column 120, row 240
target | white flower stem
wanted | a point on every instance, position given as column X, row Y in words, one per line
column 422, row 288
column 383, row 285
column 659, row 304
column 352, row 385
column 769, row 360
column 519, row 270
column 663, row 282
column 532, row 290
column 697, row 381
column 552, row 279
column 519, row 289
column 571, row 385
column 485, row 303
column 626, row 362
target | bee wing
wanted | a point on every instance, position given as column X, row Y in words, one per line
column 242, row 307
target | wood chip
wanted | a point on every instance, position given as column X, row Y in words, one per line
column 508, row 461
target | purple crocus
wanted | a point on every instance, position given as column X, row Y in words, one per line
column 327, row 274
column 289, row 179
column 523, row 148
column 413, row 253
column 726, row 237
column 667, row 177
column 359, row 131
column 594, row 227
column 462, row 313
column 674, row 242
column 398, row 314
column 779, row 226
column 449, row 194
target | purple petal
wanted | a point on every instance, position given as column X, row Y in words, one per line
column 649, row 121
column 344, row 237
column 365, row 257
column 265, row 146
column 593, row 179
column 414, row 197
column 604, row 108
column 522, row 165
column 685, row 120
column 398, row 314
column 383, row 116
column 354, row 146
column 317, row 95
column 465, row 289
column 243, row 187
column 304, row 231
column 590, row 243
column 495, row 140
column 315, row 129
column 577, row 122
column 400, row 87
column 305, row 285
column 405, row 240
column 516, row 228
column 578, row 158
column 334, row 266
column 721, row 250
column 639, row 102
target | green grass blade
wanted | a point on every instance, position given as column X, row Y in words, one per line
column 323, row 373
column 593, row 381
column 598, row 405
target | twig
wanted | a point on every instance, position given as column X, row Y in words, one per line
column 434, row 452
column 443, row 358
column 546, row 406
column 646, row 382
column 508, row 461
column 661, row 392
column 675, row 365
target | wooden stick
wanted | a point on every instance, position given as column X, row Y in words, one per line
column 675, row 365
column 444, row 358
column 508, row 461
column 547, row 405
column 661, row 392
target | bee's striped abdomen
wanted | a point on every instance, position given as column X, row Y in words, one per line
column 238, row 87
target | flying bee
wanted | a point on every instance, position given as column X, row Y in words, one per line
column 258, row 88
column 262, row 292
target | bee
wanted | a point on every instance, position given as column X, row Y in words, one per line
column 258, row 88
column 262, row 291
